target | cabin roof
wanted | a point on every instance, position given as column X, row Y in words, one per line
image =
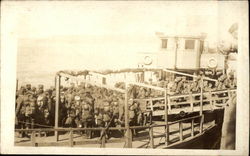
column 196, row 36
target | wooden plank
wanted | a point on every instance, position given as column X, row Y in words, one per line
column 186, row 119
column 151, row 136
column 148, row 99
column 147, row 86
column 189, row 75
column 68, row 129
column 93, row 83
column 181, row 131
column 103, row 140
column 192, row 127
column 71, row 138
column 166, row 118
column 191, row 102
column 204, row 93
column 33, row 138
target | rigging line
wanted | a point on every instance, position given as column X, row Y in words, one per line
column 36, row 124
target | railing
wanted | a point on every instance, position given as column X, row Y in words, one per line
column 102, row 141
column 190, row 101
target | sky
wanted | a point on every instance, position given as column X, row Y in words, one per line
column 55, row 36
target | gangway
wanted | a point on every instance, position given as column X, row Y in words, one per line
column 187, row 103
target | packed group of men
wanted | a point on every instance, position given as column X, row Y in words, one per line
column 92, row 106
column 80, row 106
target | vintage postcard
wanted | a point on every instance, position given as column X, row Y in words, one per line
column 125, row 77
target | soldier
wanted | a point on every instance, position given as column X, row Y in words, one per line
column 78, row 111
column 142, row 93
column 220, row 84
column 90, row 100
column 116, row 110
column 28, row 87
column 205, row 86
column 194, row 87
column 87, row 118
column 64, row 111
column 40, row 89
column 98, row 118
column 34, row 92
column 121, row 110
column 107, row 117
column 41, row 104
column 68, row 121
column 107, row 114
column 171, row 88
column 132, row 117
column 20, row 113
column 180, row 85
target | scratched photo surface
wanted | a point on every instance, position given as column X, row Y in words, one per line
column 106, row 77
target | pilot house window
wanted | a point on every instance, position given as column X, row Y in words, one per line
column 164, row 43
column 189, row 44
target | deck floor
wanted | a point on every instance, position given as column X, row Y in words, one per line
column 139, row 141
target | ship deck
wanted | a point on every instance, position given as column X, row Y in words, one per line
column 142, row 139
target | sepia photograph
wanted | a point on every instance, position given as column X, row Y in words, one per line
column 125, row 77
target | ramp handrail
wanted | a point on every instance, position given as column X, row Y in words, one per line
column 150, row 127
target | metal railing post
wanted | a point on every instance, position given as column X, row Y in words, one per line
column 128, row 135
column 210, row 100
column 201, row 105
column 166, row 118
column 229, row 97
column 58, row 80
column 201, row 96
column 191, row 102
column 201, row 123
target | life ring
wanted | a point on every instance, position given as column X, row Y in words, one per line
column 148, row 60
column 182, row 113
column 212, row 63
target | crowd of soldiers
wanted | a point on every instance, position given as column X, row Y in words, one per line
column 80, row 106
column 92, row 106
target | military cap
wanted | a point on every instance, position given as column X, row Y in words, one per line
column 28, row 85
column 33, row 88
column 40, row 86
column 77, row 98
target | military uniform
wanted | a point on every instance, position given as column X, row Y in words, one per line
column 87, row 118
column 179, row 85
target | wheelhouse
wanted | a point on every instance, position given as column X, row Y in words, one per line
column 175, row 52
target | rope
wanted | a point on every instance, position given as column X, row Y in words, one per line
column 36, row 124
